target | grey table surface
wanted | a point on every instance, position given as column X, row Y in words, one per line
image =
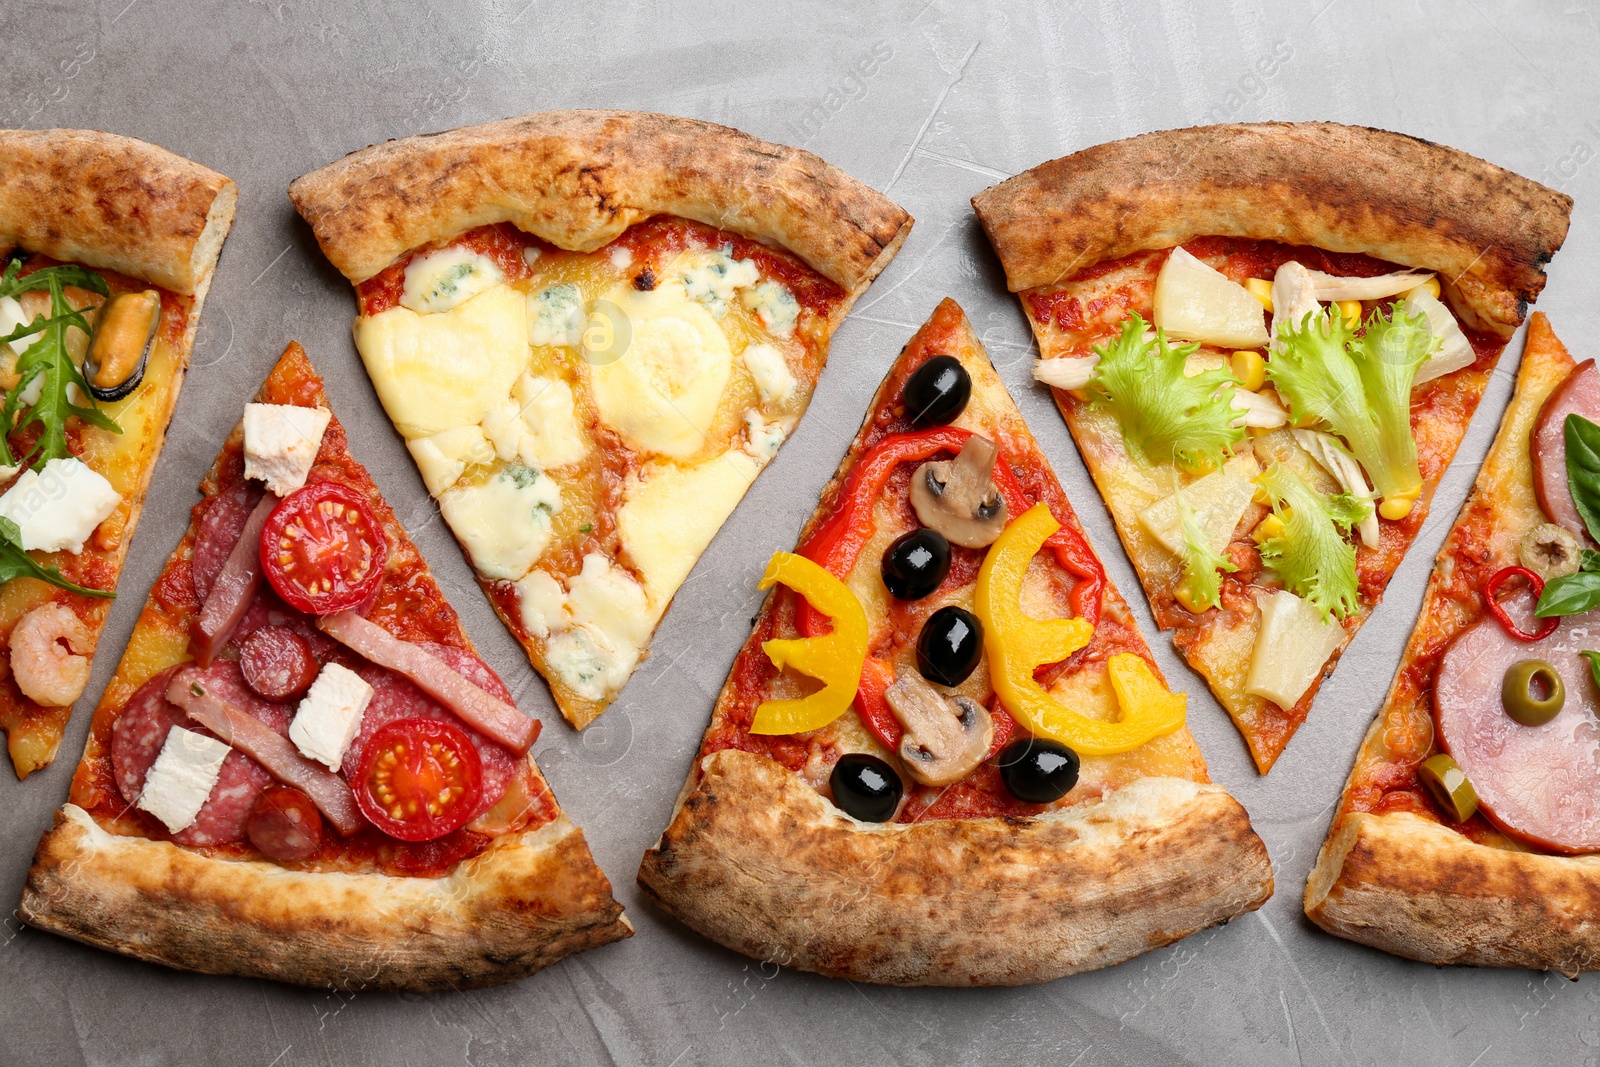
column 929, row 101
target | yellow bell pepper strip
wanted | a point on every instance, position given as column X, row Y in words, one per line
column 1017, row 645
column 834, row 659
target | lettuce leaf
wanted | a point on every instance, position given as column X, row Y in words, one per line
column 1165, row 417
column 1202, row 565
column 1313, row 557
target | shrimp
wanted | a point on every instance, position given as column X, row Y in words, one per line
column 50, row 650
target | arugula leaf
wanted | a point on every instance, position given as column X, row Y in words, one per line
column 49, row 361
column 1594, row 664
column 1314, row 555
column 1202, row 565
column 1572, row 594
column 1164, row 415
column 1583, row 469
column 16, row 563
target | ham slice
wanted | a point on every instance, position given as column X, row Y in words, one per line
column 1579, row 394
column 1539, row 783
column 234, row 587
column 482, row 710
column 207, row 704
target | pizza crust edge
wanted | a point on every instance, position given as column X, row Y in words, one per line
column 1340, row 188
column 578, row 179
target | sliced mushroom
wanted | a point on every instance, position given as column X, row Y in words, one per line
column 945, row 738
column 959, row 498
column 124, row 333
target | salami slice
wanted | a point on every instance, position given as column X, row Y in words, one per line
column 277, row 663
column 395, row 697
column 285, row 825
column 221, row 522
column 1540, row 783
column 1579, row 394
column 140, row 731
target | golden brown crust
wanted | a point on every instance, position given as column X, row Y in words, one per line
column 579, row 178
column 758, row 861
column 1418, row 889
column 1340, row 188
column 114, row 203
column 531, row 899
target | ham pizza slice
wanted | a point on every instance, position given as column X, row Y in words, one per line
column 301, row 769
column 1268, row 341
column 944, row 756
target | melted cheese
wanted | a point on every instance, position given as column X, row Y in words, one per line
column 504, row 521
column 541, row 604
column 661, row 394
column 438, row 372
column 443, row 457
column 551, row 436
column 670, row 514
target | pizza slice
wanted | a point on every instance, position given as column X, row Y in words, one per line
column 301, row 770
column 1469, row 825
column 593, row 330
column 944, row 756
column 108, row 246
column 1268, row 341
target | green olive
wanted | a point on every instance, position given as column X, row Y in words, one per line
column 1449, row 786
column 1532, row 692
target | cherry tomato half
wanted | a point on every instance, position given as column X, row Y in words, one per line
column 419, row 779
column 323, row 549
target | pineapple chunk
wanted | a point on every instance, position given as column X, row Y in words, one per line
column 1454, row 351
column 1292, row 645
column 1219, row 500
column 1194, row 302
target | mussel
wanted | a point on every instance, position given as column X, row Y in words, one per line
column 119, row 348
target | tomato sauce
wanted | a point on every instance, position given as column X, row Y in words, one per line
column 408, row 604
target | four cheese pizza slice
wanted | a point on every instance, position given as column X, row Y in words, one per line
column 108, row 246
column 944, row 756
column 1468, row 829
column 301, row 770
column 594, row 329
column 1268, row 341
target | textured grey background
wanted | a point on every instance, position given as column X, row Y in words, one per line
column 956, row 100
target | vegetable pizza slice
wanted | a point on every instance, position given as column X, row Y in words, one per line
column 1470, row 823
column 107, row 248
column 301, row 769
column 593, row 330
column 944, row 756
column 1268, row 341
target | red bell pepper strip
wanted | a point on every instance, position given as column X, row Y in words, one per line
column 1491, row 593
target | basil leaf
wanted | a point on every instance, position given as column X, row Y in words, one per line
column 1594, row 664
column 1571, row 595
column 1588, row 560
column 1583, row 469
column 16, row 563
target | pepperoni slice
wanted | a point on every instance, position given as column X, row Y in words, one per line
column 1579, row 394
column 285, row 825
column 1538, row 783
column 277, row 663
column 323, row 548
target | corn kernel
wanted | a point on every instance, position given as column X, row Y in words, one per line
column 1261, row 289
column 1432, row 285
column 1397, row 506
column 1262, row 497
column 1186, row 597
column 1250, row 368
column 1351, row 310
column 1266, row 529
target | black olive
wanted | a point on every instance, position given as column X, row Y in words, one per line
column 950, row 645
column 916, row 563
column 937, row 392
column 1038, row 770
column 866, row 787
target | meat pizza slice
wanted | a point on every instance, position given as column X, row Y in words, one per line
column 107, row 247
column 1268, row 341
column 944, row 756
column 1470, row 823
column 593, row 330
column 301, row 770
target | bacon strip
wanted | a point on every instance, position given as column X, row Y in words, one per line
column 267, row 747
column 234, row 588
column 485, row 712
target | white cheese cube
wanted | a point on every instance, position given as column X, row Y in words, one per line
column 59, row 507
column 329, row 716
column 181, row 779
column 281, row 443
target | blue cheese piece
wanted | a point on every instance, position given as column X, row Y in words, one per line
column 596, row 631
column 438, row 281
column 774, row 380
column 504, row 521
column 713, row 277
column 329, row 716
column 57, row 508
column 763, row 439
column 774, row 305
column 555, row 316
column 281, row 443
column 181, row 779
